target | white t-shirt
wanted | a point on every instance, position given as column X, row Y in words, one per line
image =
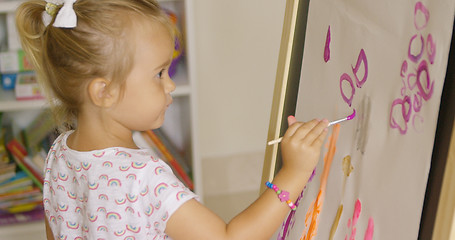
column 114, row 193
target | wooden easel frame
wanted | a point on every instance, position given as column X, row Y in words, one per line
column 438, row 214
column 287, row 81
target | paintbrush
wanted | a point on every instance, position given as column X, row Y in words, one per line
column 350, row 117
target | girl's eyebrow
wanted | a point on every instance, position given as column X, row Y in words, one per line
column 166, row 63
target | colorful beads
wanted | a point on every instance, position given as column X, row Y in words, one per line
column 282, row 195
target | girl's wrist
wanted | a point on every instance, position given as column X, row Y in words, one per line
column 296, row 175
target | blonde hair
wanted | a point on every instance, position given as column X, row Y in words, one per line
column 67, row 59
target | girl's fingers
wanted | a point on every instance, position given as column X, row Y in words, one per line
column 292, row 129
column 316, row 131
column 291, row 120
column 304, row 129
column 320, row 139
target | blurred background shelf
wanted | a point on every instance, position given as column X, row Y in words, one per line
column 8, row 102
column 180, row 117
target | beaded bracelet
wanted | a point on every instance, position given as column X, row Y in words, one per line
column 282, row 195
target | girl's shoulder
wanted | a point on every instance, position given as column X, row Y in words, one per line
column 120, row 154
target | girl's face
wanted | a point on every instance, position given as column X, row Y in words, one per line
column 148, row 86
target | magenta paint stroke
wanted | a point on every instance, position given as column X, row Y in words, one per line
column 346, row 77
column 352, row 116
column 370, row 230
column 417, row 85
column 288, row 224
column 352, row 222
column 417, row 103
column 412, row 57
column 361, row 59
column 425, row 90
column 404, row 68
column 327, row 46
column 406, row 109
column 431, row 48
column 419, row 7
column 412, row 81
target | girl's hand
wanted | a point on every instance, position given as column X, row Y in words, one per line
column 301, row 145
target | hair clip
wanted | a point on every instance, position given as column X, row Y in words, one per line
column 66, row 17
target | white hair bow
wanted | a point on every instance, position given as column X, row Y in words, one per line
column 66, row 17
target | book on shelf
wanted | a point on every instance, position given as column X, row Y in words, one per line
column 19, row 195
column 172, row 149
column 37, row 214
column 37, row 132
column 21, row 170
column 19, row 154
column 18, row 182
column 7, row 171
column 164, row 150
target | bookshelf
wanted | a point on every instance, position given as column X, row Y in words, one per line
column 180, row 120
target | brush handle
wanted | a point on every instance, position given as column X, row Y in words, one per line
column 275, row 141
column 337, row 121
column 278, row 140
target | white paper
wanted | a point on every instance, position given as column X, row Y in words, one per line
column 390, row 168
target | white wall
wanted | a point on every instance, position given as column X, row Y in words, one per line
column 237, row 45
column 236, row 54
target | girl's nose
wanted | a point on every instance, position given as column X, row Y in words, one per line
column 170, row 85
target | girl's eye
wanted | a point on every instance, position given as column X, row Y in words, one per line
column 160, row 74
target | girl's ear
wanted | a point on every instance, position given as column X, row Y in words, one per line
column 101, row 94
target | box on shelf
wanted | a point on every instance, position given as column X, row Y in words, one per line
column 13, row 36
column 14, row 61
column 27, row 87
column 24, row 63
column 9, row 62
column 9, row 81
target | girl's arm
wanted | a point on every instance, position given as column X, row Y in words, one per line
column 301, row 147
column 49, row 234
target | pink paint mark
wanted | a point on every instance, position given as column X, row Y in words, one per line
column 370, row 230
column 352, row 223
column 327, row 46
column 417, row 86
column 419, row 7
column 431, row 48
column 352, row 116
column 404, row 68
column 288, row 224
column 412, row 57
column 403, row 89
column 346, row 77
column 353, row 233
column 405, row 114
column 417, row 104
column 357, row 210
column 426, row 90
column 361, row 59
column 411, row 81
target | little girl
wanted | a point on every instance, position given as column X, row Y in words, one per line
column 104, row 65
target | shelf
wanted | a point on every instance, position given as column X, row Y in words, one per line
column 8, row 102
